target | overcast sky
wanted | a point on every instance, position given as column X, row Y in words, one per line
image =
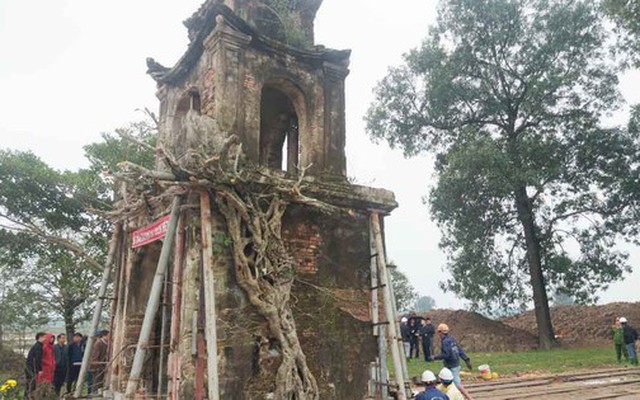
column 71, row 69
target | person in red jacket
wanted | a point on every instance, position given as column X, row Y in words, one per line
column 48, row 359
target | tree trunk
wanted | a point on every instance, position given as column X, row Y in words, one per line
column 546, row 335
column 69, row 323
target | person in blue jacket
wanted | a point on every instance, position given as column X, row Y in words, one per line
column 451, row 353
column 430, row 392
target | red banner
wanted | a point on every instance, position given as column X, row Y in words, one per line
column 151, row 233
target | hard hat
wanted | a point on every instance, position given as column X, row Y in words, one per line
column 428, row 376
column 446, row 375
column 443, row 328
column 403, row 319
column 623, row 320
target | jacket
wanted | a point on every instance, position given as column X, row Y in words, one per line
column 451, row 352
column 427, row 331
column 62, row 355
column 630, row 335
column 432, row 394
column 48, row 359
column 34, row 359
column 75, row 353
column 405, row 332
column 618, row 335
column 451, row 390
column 99, row 355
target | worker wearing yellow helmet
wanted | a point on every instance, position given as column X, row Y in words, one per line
column 451, row 353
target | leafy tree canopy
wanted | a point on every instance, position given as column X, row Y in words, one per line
column 52, row 232
column 626, row 16
column 532, row 193
column 404, row 292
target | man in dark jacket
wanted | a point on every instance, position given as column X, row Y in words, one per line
column 413, row 339
column 33, row 366
column 451, row 353
column 630, row 336
column 76, row 351
column 61, row 352
column 427, row 331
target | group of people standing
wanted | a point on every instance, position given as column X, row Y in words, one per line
column 417, row 336
column 624, row 341
column 51, row 361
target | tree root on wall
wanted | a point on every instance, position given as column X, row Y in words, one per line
column 252, row 201
column 266, row 271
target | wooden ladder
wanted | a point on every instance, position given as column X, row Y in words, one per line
column 389, row 330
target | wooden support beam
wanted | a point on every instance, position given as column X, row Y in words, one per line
column 175, row 359
column 209, row 297
column 393, row 334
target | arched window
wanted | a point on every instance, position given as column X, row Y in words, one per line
column 189, row 101
column 279, row 131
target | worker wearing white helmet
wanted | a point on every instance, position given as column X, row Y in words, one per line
column 630, row 336
column 447, row 386
column 405, row 333
column 430, row 392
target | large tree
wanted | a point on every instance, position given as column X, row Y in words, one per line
column 532, row 194
column 52, row 232
column 626, row 16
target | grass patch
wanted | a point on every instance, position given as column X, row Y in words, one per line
column 540, row 362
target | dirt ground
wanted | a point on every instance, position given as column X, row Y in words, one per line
column 580, row 326
column 620, row 383
column 477, row 333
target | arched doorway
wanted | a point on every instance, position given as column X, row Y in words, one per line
column 279, row 131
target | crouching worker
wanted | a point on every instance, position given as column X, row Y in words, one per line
column 450, row 354
column 430, row 391
column 447, row 386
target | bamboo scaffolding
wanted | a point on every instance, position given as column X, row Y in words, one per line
column 97, row 312
column 392, row 331
column 154, row 301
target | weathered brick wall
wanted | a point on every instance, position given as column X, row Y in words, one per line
column 331, row 306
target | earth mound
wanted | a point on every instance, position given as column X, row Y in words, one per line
column 477, row 333
column 580, row 326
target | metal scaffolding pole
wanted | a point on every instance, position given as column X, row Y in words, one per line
column 154, row 300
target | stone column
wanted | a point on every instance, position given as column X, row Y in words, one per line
column 335, row 121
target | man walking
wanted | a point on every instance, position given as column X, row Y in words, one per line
column 75, row 360
column 630, row 336
column 33, row 367
column 61, row 352
column 450, row 354
column 427, row 331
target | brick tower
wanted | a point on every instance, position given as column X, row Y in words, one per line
column 252, row 69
